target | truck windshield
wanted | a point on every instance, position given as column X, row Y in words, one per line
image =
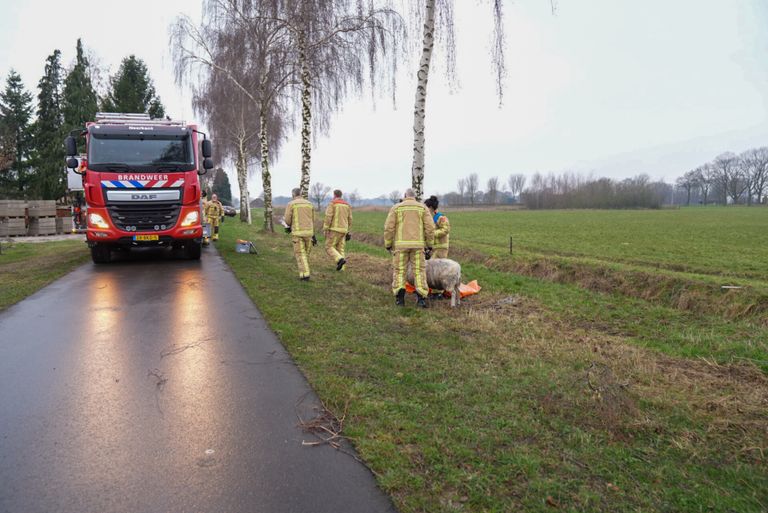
column 170, row 152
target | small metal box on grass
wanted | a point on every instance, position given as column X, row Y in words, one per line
column 245, row 246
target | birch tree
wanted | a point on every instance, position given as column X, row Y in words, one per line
column 234, row 123
column 241, row 41
column 437, row 24
column 339, row 46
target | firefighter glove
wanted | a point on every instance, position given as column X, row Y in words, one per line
column 314, row 240
column 348, row 236
column 287, row 229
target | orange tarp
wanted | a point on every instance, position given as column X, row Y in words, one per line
column 465, row 289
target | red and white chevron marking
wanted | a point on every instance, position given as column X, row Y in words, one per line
column 141, row 184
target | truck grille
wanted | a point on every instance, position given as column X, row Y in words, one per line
column 144, row 217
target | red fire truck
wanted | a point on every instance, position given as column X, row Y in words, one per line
column 140, row 178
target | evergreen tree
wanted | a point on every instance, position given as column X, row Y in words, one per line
column 132, row 90
column 15, row 114
column 79, row 100
column 221, row 187
column 48, row 182
column 156, row 109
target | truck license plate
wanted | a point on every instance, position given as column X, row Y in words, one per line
column 146, row 237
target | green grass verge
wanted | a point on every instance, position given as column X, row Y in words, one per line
column 674, row 266
column 714, row 240
column 673, row 331
column 28, row 267
column 512, row 402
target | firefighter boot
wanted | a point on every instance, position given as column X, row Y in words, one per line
column 216, row 233
column 340, row 264
column 420, row 301
column 400, row 299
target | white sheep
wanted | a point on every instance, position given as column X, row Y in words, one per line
column 443, row 274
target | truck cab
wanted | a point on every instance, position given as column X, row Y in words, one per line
column 141, row 184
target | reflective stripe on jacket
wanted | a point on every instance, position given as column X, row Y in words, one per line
column 338, row 216
column 409, row 226
column 442, row 231
column 300, row 216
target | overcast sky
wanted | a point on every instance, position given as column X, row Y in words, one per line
column 611, row 87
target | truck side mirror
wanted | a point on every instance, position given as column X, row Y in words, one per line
column 207, row 151
column 207, row 164
column 72, row 163
column 71, row 145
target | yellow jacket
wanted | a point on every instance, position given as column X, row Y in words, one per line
column 214, row 209
column 409, row 225
column 442, row 232
column 338, row 217
column 300, row 216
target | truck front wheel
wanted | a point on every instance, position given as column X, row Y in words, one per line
column 101, row 254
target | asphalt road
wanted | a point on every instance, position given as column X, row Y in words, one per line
column 154, row 385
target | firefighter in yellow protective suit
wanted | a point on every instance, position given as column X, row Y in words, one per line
column 213, row 212
column 300, row 219
column 336, row 225
column 408, row 231
column 442, row 228
column 442, row 236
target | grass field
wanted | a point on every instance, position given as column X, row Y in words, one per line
column 679, row 258
column 728, row 242
column 541, row 393
column 25, row 268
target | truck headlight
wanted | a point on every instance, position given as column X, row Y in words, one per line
column 191, row 218
column 97, row 221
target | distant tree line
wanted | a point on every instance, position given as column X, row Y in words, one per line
column 728, row 179
column 32, row 133
column 570, row 190
column 565, row 190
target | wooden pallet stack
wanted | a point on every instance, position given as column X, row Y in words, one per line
column 12, row 218
column 64, row 222
column 42, row 217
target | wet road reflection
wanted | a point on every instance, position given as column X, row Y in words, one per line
column 118, row 393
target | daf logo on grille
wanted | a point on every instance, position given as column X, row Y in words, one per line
column 143, row 196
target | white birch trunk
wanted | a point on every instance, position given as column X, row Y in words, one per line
column 266, row 179
column 248, row 198
column 242, row 180
column 306, row 116
column 419, row 110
